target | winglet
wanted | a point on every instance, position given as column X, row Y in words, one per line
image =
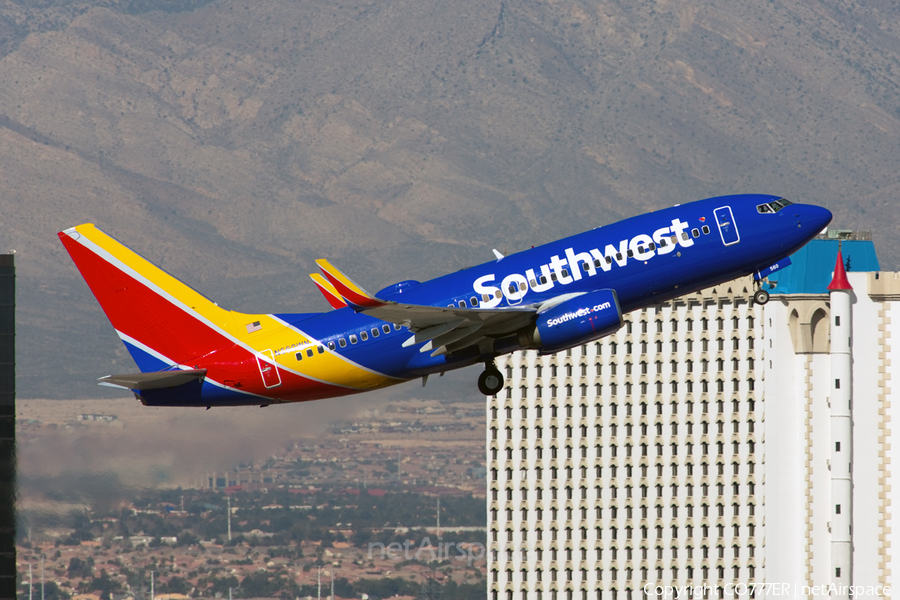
column 355, row 297
column 331, row 294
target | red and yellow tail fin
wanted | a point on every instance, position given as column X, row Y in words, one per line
column 163, row 322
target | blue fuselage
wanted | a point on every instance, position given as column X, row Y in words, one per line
column 646, row 259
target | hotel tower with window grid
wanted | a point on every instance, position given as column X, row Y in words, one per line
column 694, row 447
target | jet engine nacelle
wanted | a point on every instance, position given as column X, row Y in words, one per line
column 582, row 319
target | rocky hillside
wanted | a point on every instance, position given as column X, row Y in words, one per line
column 233, row 142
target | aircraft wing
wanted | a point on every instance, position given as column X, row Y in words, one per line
column 445, row 329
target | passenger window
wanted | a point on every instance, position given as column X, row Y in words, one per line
column 342, row 342
column 609, row 260
column 565, row 273
column 662, row 243
column 321, row 349
column 630, row 253
column 674, row 239
column 684, row 235
column 706, row 230
column 597, row 263
column 363, row 336
column 462, row 303
column 652, row 246
column 386, row 328
column 553, row 276
column 353, row 339
column 473, row 301
column 498, row 294
column 522, row 287
column 397, row 327
column 512, row 288
column 532, row 282
column 618, row 256
column 331, row 345
column 485, row 298
column 375, row 332
column 309, row 352
column 299, row 356
column 543, row 280
column 586, row 267
column 695, row 232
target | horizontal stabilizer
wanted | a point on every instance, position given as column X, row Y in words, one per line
column 152, row 381
column 328, row 290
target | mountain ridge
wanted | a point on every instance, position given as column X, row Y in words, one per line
column 234, row 143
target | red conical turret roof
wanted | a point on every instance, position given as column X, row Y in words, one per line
column 839, row 281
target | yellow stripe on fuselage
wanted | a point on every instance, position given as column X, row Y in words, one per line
column 286, row 341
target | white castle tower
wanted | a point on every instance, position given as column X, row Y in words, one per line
column 841, row 404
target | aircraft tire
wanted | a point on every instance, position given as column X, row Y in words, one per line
column 490, row 382
column 761, row 297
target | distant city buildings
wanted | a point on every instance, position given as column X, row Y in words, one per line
column 97, row 417
column 697, row 445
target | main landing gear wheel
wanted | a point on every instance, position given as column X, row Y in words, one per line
column 490, row 382
column 761, row 296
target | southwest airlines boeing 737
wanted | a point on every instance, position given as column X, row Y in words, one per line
column 191, row 352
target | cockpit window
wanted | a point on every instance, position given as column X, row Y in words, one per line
column 774, row 206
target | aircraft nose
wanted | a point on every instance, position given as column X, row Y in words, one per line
column 816, row 217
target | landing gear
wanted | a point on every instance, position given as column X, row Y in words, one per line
column 761, row 296
column 490, row 382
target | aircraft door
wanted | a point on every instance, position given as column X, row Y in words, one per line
column 727, row 227
column 514, row 289
column 268, row 369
